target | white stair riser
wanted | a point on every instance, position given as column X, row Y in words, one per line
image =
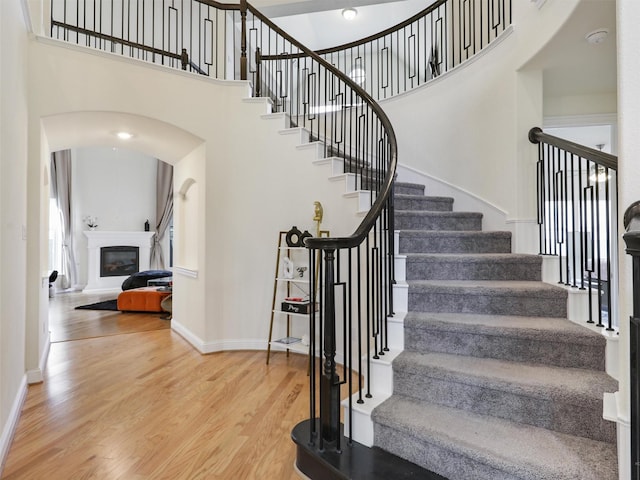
column 401, row 297
column 362, row 427
column 395, row 328
column 400, row 267
column 316, row 148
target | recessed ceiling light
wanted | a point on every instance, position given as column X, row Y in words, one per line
column 124, row 135
column 349, row 13
column 597, row 36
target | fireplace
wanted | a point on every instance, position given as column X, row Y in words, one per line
column 119, row 264
column 116, row 261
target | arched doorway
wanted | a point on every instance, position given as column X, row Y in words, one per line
column 151, row 137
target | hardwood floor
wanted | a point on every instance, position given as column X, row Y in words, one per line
column 146, row 405
column 66, row 323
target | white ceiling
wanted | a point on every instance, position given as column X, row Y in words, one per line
column 281, row 8
column 151, row 137
column 573, row 66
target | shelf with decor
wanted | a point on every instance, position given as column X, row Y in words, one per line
column 291, row 293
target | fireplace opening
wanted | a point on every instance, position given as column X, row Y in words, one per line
column 119, row 261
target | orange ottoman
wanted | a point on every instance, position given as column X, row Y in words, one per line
column 143, row 299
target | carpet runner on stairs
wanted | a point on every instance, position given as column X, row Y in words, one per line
column 494, row 383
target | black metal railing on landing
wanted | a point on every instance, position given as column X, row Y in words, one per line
column 432, row 42
column 202, row 36
column 577, row 218
column 207, row 37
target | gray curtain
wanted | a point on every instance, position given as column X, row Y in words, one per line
column 61, row 191
column 164, row 211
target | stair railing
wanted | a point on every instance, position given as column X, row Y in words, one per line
column 577, row 212
column 354, row 295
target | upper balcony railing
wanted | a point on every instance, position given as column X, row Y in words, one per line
column 432, row 42
column 206, row 37
column 203, row 36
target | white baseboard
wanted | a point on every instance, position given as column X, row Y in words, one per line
column 35, row 375
column 12, row 422
column 217, row 346
column 233, row 345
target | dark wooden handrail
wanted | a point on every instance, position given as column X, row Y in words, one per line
column 384, row 32
column 536, row 135
column 221, row 6
column 385, row 191
column 365, row 40
column 110, row 38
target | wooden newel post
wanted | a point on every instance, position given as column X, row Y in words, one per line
column 632, row 240
column 330, row 383
column 243, row 40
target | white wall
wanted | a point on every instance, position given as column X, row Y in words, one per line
column 628, row 188
column 570, row 105
column 13, row 217
column 116, row 185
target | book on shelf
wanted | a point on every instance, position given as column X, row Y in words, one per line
column 289, row 340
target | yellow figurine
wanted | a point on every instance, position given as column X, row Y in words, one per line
column 317, row 217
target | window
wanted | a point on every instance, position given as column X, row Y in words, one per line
column 55, row 236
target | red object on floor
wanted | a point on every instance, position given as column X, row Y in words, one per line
column 143, row 299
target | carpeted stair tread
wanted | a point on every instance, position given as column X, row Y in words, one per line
column 462, row 445
column 573, row 385
column 495, row 383
column 492, row 287
column 439, row 214
column 479, row 257
column 567, row 400
column 548, row 341
column 430, row 220
column 556, row 330
column 496, row 297
column 485, row 266
column 408, row 188
column 422, row 202
column 433, row 198
column 450, row 241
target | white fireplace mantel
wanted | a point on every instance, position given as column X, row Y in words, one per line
column 98, row 239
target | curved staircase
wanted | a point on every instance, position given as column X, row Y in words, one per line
column 494, row 382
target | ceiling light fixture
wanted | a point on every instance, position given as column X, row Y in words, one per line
column 597, row 36
column 349, row 13
column 124, row 135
